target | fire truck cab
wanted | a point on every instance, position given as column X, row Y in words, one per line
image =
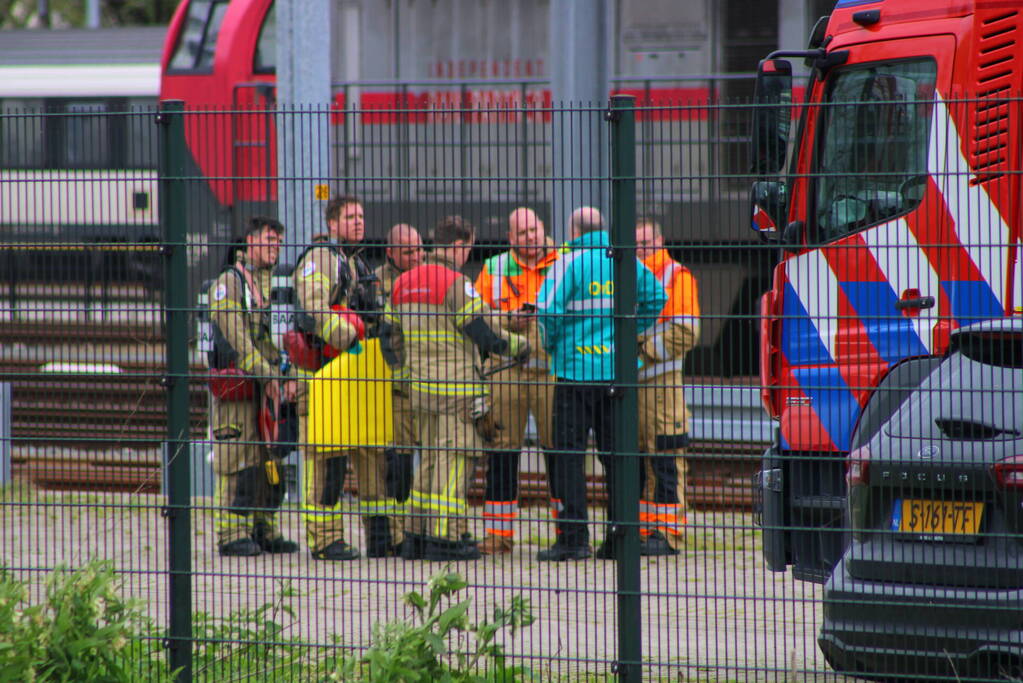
column 893, row 193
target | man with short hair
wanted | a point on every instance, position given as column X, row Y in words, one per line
column 404, row 252
column 575, row 310
column 245, row 371
column 439, row 330
column 509, row 283
column 331, row 280
column 663, row 417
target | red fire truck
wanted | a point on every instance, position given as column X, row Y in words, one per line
column 895, row 203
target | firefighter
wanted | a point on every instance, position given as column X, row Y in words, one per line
column 403, row 253
column 509, row 283
column 663, row 416
column 575, row 309
column 440, row 330
column 333, row 287
column 245, row 373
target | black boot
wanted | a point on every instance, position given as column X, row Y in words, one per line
column 243, row 547
column 608, row 550
column 338, row 551
column 378, row 537
column 443, row 550
column 560, row 552
column 656, row 544
column 412, row 547
column 272, row 545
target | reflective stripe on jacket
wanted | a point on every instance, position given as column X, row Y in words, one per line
column 431, row 303
column 321, row 283
column 242, row 323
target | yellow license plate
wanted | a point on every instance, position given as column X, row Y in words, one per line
column 937, row 516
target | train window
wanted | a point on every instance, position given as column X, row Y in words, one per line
column 64, row 133
column 265, row 61
column 140, row 140
column 190, row 40
column 21, row 134
column 198, row 40
column 86, row 138
column 209, row 44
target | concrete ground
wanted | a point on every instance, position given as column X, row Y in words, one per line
column 713, row 613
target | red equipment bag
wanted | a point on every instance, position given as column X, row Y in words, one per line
column 308, row 352
column 231, row 384
column 303, row 350
column 353, row 319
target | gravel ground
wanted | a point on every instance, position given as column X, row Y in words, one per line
column 713, row 613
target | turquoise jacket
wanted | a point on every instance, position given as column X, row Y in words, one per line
column 576, row 304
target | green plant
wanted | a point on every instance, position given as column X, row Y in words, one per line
column 18, row 491
column 249, row 643
column 81, row 631
column 403, row 652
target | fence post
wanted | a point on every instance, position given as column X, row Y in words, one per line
column 173, row 200
column 622, row 116
column 6, row 443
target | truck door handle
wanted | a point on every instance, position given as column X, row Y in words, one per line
column 918, row 302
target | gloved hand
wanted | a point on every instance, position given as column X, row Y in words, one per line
column 518, row 321
column 487, row 427
column 483, row 419
column 352, row 318
column 519, row 348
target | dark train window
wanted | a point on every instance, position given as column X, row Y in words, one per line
column 198, row 40
column 140, row 134
column 111, row 132
column 265, row 61
column 86, row 139
column 21, row 134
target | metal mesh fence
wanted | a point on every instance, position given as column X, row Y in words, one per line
column 274, row 432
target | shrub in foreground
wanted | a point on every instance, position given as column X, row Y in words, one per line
column 80, row 631
column 418, row 652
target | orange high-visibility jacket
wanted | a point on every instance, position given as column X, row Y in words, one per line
column 506, row 283
column 663, row 346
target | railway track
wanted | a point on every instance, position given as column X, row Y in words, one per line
column 89, row 413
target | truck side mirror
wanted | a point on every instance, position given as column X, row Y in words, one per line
column 772, row 116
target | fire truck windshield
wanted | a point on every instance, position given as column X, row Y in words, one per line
column 872, row 147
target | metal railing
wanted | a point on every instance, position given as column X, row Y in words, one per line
column 115, row 451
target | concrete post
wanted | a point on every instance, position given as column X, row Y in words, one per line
column 794, row 24
column 92, row 19
column 580, row 58
column 303, row 119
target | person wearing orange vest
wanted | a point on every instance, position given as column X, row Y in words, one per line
column 509, row 283
column 663, row 416
column 438, row 332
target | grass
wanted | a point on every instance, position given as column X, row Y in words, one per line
column 18, row 491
